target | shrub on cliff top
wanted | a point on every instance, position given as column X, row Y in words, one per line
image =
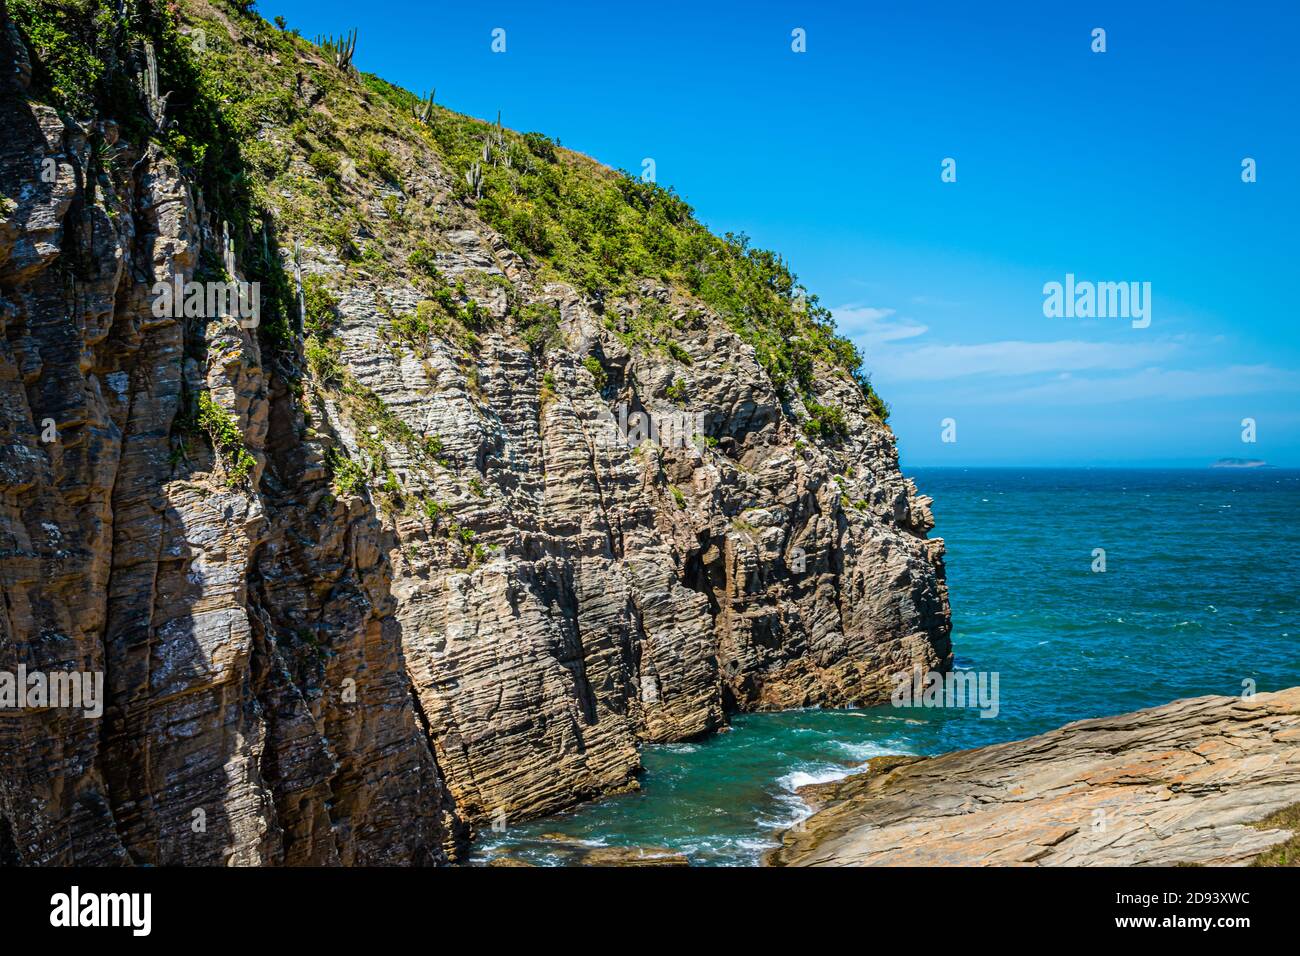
column 602, row 231
column 595, row 228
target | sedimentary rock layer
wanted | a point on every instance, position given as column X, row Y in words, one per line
column 224, row 619
column 353, row 594
column 1178, row 784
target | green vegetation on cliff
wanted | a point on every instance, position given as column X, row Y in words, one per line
column 279, row 140
column 603, row 230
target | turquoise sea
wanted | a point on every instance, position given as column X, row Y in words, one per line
column 1199, row 595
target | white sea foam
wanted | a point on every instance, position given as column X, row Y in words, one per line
column 864, row 750
column 680, row 748
column 795, row 779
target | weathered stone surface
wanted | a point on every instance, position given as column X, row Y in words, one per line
column 1174, row 784
column 624, row 594
column 331, row 674
column 226, row 618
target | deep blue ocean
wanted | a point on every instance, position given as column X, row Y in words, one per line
column 1199, row 595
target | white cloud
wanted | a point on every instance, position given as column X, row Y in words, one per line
column 1061, row 372
column 1152, row 383
column 941, row 362
column 870, row 327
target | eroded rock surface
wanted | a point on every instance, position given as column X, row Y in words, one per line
column 503, row 599
column 1178, row 784
column 224, row 617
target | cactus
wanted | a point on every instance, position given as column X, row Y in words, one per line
column 341, row 49
column 423, row 109
column 227, row 251
column 155, row 105
column 474, row 176
column 297, row 282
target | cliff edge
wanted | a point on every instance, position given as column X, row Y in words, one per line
column 514, row 467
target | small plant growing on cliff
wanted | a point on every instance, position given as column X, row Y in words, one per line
column 348, row 476
column 320, row 306
column 393, row 209
column 412, row 330
column 425, row 260
column 825, row 422
column 539, row 326
column 676, row 391
column 879, row 407
column 226, row 439
column 380, row 162
column 326, row 165
column 472, row 316
column 677, row 352
column 548, row 390
column 323, row 360
column 592, row 365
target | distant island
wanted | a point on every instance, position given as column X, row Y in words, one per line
column 1241, row 463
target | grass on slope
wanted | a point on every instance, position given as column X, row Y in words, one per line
column 1286, row 853
column 241, row 122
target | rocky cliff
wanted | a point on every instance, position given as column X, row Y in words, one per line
column 1208, row 781
column 515, row 468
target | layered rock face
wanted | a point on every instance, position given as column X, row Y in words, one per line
column 301, row 669
column 225, row 620
column 1192, row 782
column 641, row 594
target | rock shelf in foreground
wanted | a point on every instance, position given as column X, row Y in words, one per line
column 1185, row 783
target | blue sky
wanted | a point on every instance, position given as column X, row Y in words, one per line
column 1115, row 166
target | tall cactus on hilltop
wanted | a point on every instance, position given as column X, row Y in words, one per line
column 423, row 109
column 340, row 49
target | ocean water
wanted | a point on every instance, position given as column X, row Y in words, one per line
column 1199, row 595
